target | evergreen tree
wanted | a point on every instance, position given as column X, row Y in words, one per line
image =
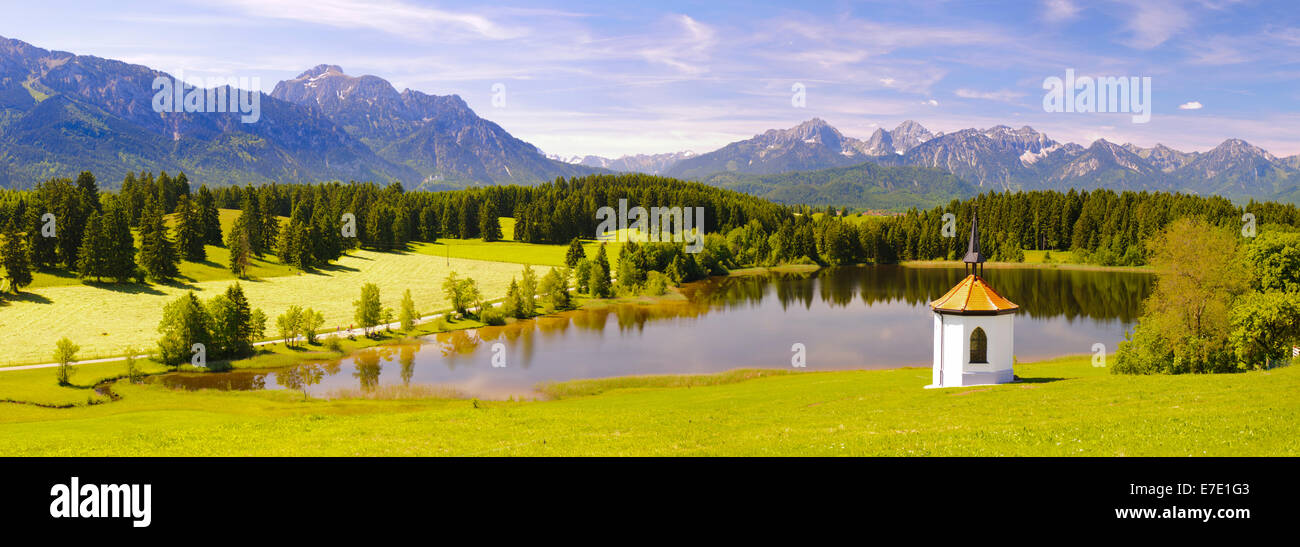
column 116, row 224
column 232, row 322
column 489, row 224
column 18, row 272
column 190, row 230
column 96, row 246
column 270, row 221
column 251, row 225
column 575, row 253
column 209, row 217
column 240, row 253
column 513, row 304
column 157, row 252
column 429, row 224
column 598, row 283
column 44, row 250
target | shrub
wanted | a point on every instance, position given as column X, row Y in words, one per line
column 656, row 284
column 491, row 316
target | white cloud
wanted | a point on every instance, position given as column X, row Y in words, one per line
column 1192, row 105
column 1153, row 22
column 1002, row 95
column 1059, row 10
column 388, row 16
column 931, row 102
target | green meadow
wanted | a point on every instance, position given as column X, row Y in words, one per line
column 106, row 318
column 1062, row 407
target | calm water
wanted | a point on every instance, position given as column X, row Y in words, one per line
column 847, row 318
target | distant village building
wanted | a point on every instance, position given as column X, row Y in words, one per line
column 974, row 334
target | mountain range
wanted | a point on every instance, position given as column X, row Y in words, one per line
column 62, row 113
column 653, row 164
column 1002, row 158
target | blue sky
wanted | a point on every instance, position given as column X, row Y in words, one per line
column 613, row 78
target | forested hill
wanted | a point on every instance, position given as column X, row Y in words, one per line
column 867, row 185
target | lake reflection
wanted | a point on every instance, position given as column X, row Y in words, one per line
column 847, row 318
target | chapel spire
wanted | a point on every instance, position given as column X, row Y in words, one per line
column 974, row 259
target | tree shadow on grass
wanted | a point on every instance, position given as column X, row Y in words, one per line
column 334, row 267
column 126, row 288
column 1041, row 380
column 8, row 298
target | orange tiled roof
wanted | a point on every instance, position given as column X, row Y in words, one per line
column 973, row 295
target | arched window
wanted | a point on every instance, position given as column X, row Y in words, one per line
column 979, row 346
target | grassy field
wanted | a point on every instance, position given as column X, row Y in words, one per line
column 105, row 319
column 1064, row 407
column 1048, row 257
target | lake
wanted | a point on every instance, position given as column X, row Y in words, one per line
column 860, row 317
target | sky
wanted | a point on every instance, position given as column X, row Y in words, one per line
column 616, row 77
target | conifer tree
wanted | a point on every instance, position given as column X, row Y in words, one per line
column 18, row 272
column 209, row 217
column 116, row 224
column 574, row 254
column 189, row 230
column 240, row 255
column 251, row 225
column 157, row 252
column 93, row 257
column 599, row 284
column 489, row 225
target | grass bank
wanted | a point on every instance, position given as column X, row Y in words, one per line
column 1062, row 407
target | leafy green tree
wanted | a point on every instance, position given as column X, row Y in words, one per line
column 656, row 284
column 1265, row 327
column 368, row 309
column 65, row 352
column 289, row 324
column 582, row 275
column 133, row 372
column 408, row 315
column 185, row 322
column 528, row 292
column 575, row 253
column 1187, row 321
column 555, row 287
column 1274, row 259
column 462, row 293
column 310, row 324
column 257, row 325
